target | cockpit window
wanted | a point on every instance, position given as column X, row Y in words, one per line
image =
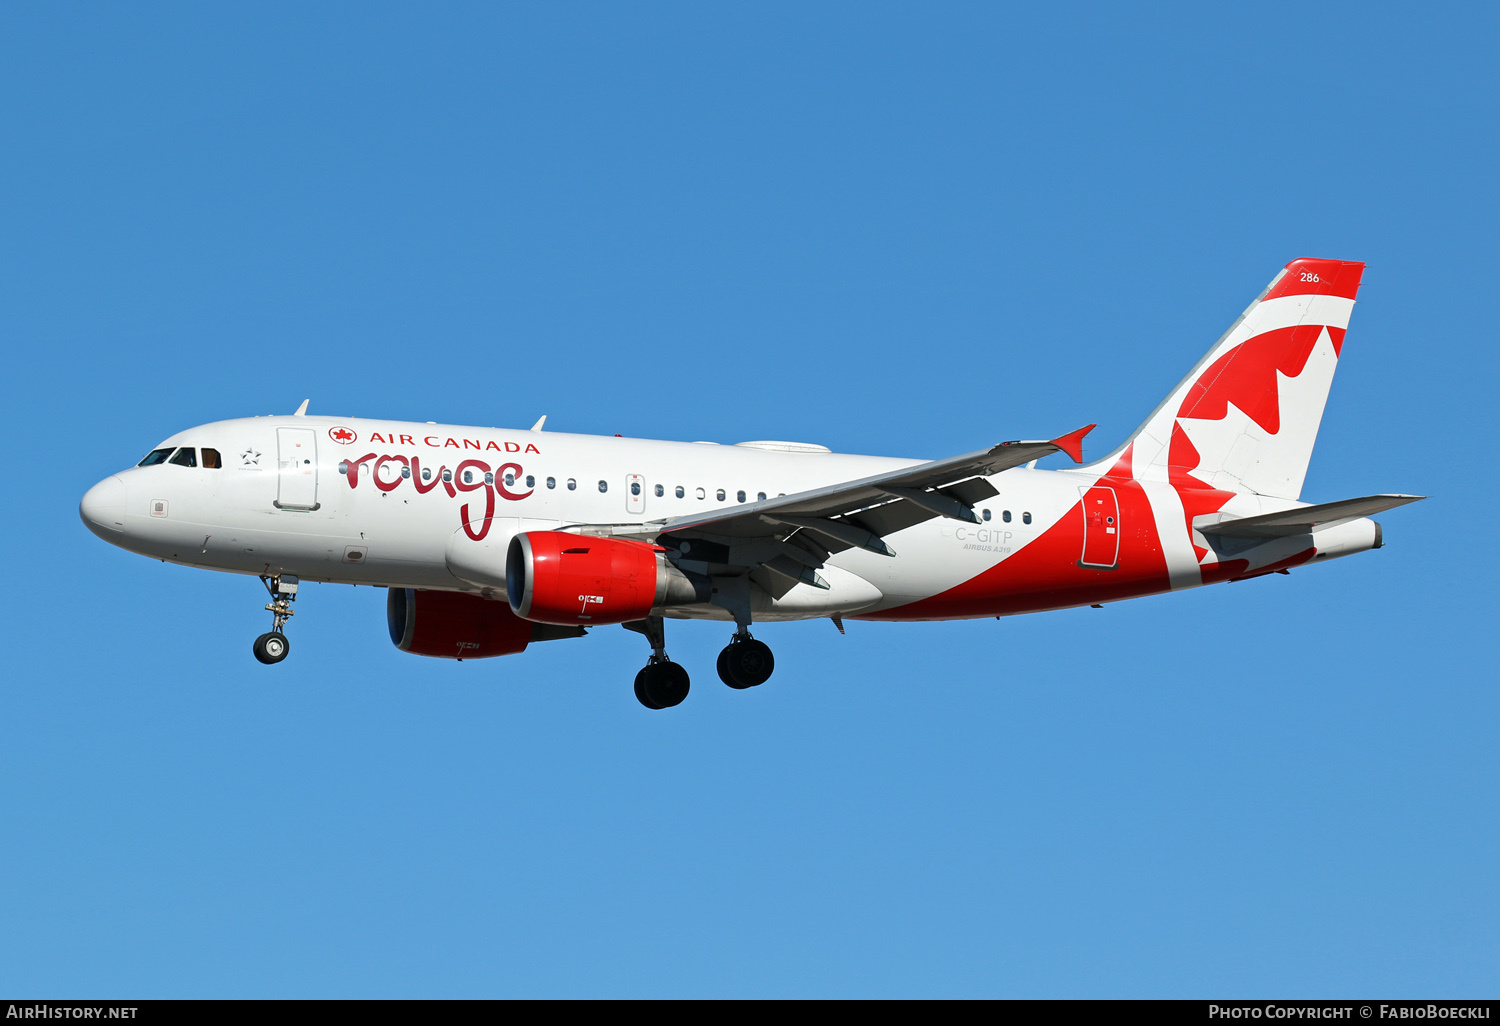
column 211, row 459
column 186, row 457
column 155, row 456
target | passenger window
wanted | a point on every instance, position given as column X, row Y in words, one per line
column 343, row 466
column 468, row 477
column 1025, row 518
column 530, row 481
column 760, row 496
column 604, row 486
column 1005, row 515
column 489, row 477
column 680, row 492
column 510, row 479
column 426, row 473
column 720, row 494
column 701, row 493
column 211, row 459
column 660, row 491
column 447, row 475
column 739, row 496
column 405, row 472
column 154, row 457
column 572, row 484
column 635, row 488
column 551, row 482
column 186, row 457
column 986, row 514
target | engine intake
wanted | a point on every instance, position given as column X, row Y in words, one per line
column 452, row 625
column 560, row 578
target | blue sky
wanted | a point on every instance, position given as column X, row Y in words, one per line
column 886, row 228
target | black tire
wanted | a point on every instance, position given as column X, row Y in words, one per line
column 747, row 663
column 640, row 690
column 272, row 648
column 663, row 685
column 724, row 674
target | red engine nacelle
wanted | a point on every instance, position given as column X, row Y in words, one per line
column 451, row 625
column 555, row 577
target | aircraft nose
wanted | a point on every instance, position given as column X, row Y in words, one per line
column 103, row 509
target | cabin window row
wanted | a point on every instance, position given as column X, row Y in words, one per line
column 185, row 456
column 472, row 477
column 1005, row 516
column 720, row 495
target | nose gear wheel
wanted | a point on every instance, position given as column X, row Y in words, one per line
column 273, row 646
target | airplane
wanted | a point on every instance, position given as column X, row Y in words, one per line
column 491, row 539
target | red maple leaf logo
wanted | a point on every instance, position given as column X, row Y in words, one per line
column 342, row 435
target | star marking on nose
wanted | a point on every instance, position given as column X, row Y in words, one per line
column 250, row 458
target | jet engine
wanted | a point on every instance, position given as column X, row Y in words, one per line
column 560, row 578
column 452, row 625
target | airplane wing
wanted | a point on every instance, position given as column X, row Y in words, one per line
column 1303, row 520
column 791, row 536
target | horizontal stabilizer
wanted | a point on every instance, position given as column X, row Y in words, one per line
column 1301, row 520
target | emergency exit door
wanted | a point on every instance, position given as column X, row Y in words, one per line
column 297, row 468
column 1101, row 529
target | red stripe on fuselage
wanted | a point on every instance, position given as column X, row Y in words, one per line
column 1045, row 573
column 1238, row 569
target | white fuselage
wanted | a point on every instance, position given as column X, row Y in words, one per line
column 433, row 506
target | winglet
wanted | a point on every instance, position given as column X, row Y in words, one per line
column 302, row 410
column 538, row 425
column 1072, row 442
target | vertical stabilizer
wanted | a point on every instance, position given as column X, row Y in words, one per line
column 1246, row 418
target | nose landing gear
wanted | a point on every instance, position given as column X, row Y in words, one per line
column 273, row 646
column 661, row 683
column 745, row 662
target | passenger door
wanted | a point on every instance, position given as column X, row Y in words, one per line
column 297, row 468
column 1101, row 529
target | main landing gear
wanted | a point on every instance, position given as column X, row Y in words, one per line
column 745, row 662
column 273, row 646
column 661, row 683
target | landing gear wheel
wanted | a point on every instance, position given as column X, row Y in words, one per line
column 746, row 663
column 272, row 648
column 724, row 670
column 661, row 685
column 640, row 690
